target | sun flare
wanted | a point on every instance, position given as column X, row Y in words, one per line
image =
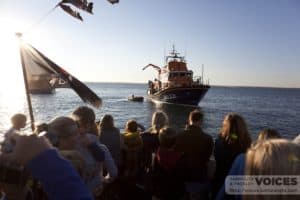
column 12, row 92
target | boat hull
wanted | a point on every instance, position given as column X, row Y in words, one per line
column 180, row 95
column 137, row 99
column 42, row 91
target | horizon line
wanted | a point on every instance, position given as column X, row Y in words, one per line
column 243, row 86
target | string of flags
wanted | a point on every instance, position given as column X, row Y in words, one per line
column 80, row 4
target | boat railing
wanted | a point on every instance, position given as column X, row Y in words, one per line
column 197, row 80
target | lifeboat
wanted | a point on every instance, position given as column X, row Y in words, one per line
column 175, row 83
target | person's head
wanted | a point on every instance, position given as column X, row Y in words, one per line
column 167, row 137
column 273, row 157
column 268, row 134
column 85, row 117
column 66, row 131
column 196, row 118
column 18, row 121
column 131, row 126
column 235, row 133
column 107, row 122
column 159, row 120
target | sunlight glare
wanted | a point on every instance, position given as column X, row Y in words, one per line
column 12, row 92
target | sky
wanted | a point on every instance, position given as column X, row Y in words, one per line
column 240, row 43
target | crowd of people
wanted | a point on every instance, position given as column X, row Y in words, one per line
column 75, row 157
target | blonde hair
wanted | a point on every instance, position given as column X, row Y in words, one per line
column 18, row 120
column 235, row 133
column 268, row 134
column 159, row 120
column 272, row 157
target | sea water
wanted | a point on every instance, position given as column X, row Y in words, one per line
column 261, row 107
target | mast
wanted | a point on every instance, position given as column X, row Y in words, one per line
column 19, row 35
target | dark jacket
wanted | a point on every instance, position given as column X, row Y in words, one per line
column 150, row 145
column 166, row 175
column 224, row 157
column 237, row 168
column 197, row 148
column 112, row 139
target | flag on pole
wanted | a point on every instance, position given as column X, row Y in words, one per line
column 39, row 67
column 70, row 11
column 81, row 4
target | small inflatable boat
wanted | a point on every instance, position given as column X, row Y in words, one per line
column 136, row 98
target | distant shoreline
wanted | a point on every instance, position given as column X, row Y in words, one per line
column 223, row 86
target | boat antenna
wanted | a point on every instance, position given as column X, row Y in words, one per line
column 185, row 51
column 173, row 50
column 19, row 35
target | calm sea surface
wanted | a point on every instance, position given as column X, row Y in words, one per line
column 261, row 107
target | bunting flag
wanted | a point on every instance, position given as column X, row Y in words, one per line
column 39, row 68
column 113, row 1
column 70, row 11
column 81, row 4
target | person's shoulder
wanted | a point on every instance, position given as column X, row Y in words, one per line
column 92, row 137
column 182, row 136
column 103, row 147
column 238, row 165
column 182, row 133
column 146, row 132
column 126, row 135
column 116, row 130
column 207, row 136
column 219, row 142
column 71, row 154
column 10, row 131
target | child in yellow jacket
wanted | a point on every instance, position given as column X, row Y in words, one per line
column 133, row 145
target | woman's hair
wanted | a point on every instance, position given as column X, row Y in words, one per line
column 131, row 126
column 235, row 133
column 159, row 120
column 273, row 157
column 268, row 134
column 86, row 117
column 107, row 122
column 167, row 137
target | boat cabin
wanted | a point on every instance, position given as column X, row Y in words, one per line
column 174, row 74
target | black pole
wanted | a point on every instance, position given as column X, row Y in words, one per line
column 19, row 35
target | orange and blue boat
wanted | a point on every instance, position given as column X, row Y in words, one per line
column 176, row 84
